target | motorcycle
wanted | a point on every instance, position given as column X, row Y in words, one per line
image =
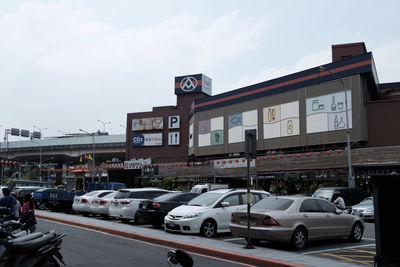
column 179, row 256
column 18, row 247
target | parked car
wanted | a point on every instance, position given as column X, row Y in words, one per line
column 126, row 202
column 365, row 209
column 350, row 195
column 20, row 192
column 101, row 204
column 154, row 211
column 83, row 203
column 296, row 220
column 209, row 213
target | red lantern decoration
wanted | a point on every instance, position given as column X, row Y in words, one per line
column 289, row 156
column 318, row 154
column 281, row 156
column 211, row 162
column 328, row 152
column 265, row 158
column 339, row 151
column 308, row 154
column 243, row 160
column 299, row 155
column 273, row 157
column 217, row 162
column 258, row 158
column 230, row 161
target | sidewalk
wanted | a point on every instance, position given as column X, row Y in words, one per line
column 211, row 247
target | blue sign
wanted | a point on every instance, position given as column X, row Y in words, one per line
column 137, row 140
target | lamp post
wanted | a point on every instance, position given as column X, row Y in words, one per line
column 351, row 181
column 94, row 149
column 104, row 124
column 40, row 159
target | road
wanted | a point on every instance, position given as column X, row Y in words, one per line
column 82, row 247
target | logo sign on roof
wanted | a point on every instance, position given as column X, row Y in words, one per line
column 195, row 83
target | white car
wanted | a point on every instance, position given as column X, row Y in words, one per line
column 82, row 203
column 209, row 213
column 126, row 202
column 101, row 204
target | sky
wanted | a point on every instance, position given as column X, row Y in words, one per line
column 84, row 64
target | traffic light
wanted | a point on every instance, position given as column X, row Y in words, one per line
column 251, row 143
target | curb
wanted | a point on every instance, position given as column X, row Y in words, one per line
column 259, row 261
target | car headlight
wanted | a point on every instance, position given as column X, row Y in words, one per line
column 192, row 215
column 369, row 210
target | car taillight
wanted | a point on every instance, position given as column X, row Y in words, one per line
column 269, row 221
column 126, row 202
column 84, row 200
column 102, row 202
column 156, row 205
column 233, row 218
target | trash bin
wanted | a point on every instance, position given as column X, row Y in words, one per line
column 387, row 231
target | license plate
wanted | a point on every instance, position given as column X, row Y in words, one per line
column 116, row 203
column 144, row 206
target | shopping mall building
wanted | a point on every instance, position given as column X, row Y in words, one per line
column 300, row 119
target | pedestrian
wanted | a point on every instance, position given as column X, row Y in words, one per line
column 338, row 201
column 8, row 201
column 28, row 218
column 17, row 210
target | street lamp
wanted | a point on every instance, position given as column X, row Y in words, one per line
column 104, row 124
column 40, row 159
column 350, row 178
column 94, row 148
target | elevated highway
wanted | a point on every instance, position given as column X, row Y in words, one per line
column 66, row 149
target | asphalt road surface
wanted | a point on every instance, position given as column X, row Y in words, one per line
column 82, row 247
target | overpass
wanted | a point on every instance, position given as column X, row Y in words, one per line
column 65, row 150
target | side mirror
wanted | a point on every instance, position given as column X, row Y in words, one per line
column 179, row 256
column 225, row 204
column 338, row 211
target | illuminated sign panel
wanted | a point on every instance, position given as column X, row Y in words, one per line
column 155, row 123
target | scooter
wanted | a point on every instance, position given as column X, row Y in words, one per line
column 179, row 256
column 36, row 249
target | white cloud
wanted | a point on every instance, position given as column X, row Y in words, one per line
column 306, row 62
column 70, row 69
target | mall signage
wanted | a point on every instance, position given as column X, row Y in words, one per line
column 196, row 83
column 154, row 139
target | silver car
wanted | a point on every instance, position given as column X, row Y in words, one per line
column 365, row 209
column 296, row 220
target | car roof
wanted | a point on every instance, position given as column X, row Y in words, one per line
column 27, row 187
column 142, row 189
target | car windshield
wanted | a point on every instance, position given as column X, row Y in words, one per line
column 324, row 193
column 122, row 194
column 367, row 201
column 273, row 204
column 205, row 200
column 165, row 197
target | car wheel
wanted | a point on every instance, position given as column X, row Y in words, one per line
column 208, row 228
column 138, row 219
column 356, row 232
column 299, row 238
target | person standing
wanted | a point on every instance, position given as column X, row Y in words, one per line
column 28, row 214
column 338, row 201
column 8, row 201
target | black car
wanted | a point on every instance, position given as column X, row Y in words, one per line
column 153, row 211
